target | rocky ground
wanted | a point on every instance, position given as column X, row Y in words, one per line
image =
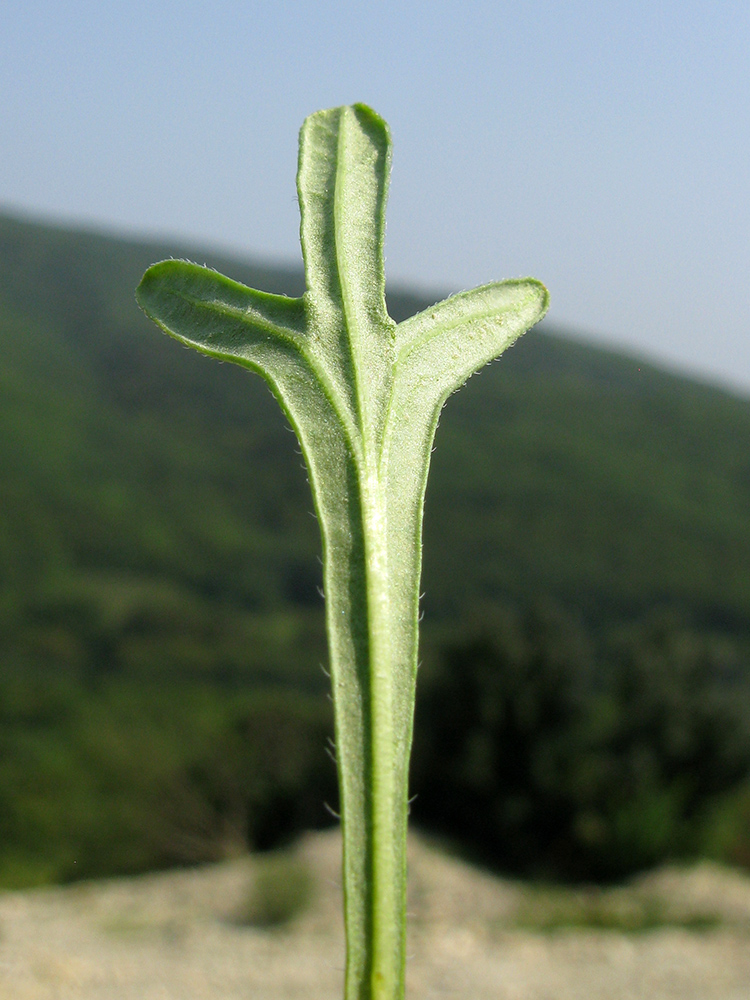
column 175, row 936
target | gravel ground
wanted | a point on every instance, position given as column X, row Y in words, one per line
column 172, row 936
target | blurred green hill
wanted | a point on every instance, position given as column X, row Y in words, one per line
column 155, row 520
column 144, row 485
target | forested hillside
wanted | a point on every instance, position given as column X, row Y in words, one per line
column 156, row 530
column 136, row 473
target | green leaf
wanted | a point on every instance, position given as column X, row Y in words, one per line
column 364, row 396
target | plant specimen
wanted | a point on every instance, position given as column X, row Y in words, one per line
column 363, row 395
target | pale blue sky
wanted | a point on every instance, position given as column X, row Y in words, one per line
column 603, row 147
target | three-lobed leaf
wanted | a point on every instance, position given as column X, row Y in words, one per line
column 363, row 395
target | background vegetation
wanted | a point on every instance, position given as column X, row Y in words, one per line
column 587, row 608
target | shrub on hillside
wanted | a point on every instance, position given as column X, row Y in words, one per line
column 131, row 778
column 263, row 779
column 550, row 767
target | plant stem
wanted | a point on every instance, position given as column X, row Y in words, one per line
column 373, row 798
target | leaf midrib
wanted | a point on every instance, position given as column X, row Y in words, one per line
column 354, row 336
